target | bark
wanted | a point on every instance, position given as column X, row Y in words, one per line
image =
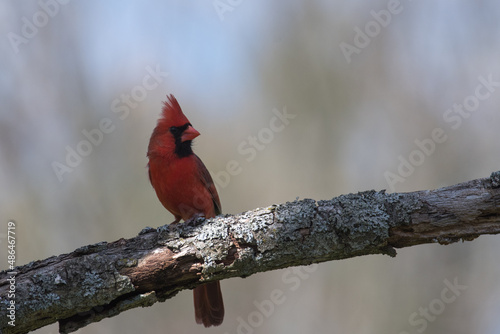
column 102, row 280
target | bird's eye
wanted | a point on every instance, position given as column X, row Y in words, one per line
column 175, row 130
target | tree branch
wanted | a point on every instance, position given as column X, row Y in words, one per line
column 104, row 279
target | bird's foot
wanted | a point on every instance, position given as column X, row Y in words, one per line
column 195, row 220
column 176, row 221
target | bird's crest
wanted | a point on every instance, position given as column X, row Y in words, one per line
column 172, row 114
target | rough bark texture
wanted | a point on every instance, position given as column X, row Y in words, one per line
column 104, row 279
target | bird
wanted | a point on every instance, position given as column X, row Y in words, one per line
column 186, row 189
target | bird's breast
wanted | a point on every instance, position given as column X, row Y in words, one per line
column 179, row 187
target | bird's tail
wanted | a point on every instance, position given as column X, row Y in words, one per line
column 208, row 304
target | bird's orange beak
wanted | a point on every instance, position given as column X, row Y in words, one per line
column 189, row 134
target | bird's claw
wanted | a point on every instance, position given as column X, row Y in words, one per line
column 195, row 220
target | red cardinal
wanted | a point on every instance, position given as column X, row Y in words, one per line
column 185, row 188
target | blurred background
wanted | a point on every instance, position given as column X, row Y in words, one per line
column 362, row 83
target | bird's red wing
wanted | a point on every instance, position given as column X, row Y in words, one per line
column 209, row 184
